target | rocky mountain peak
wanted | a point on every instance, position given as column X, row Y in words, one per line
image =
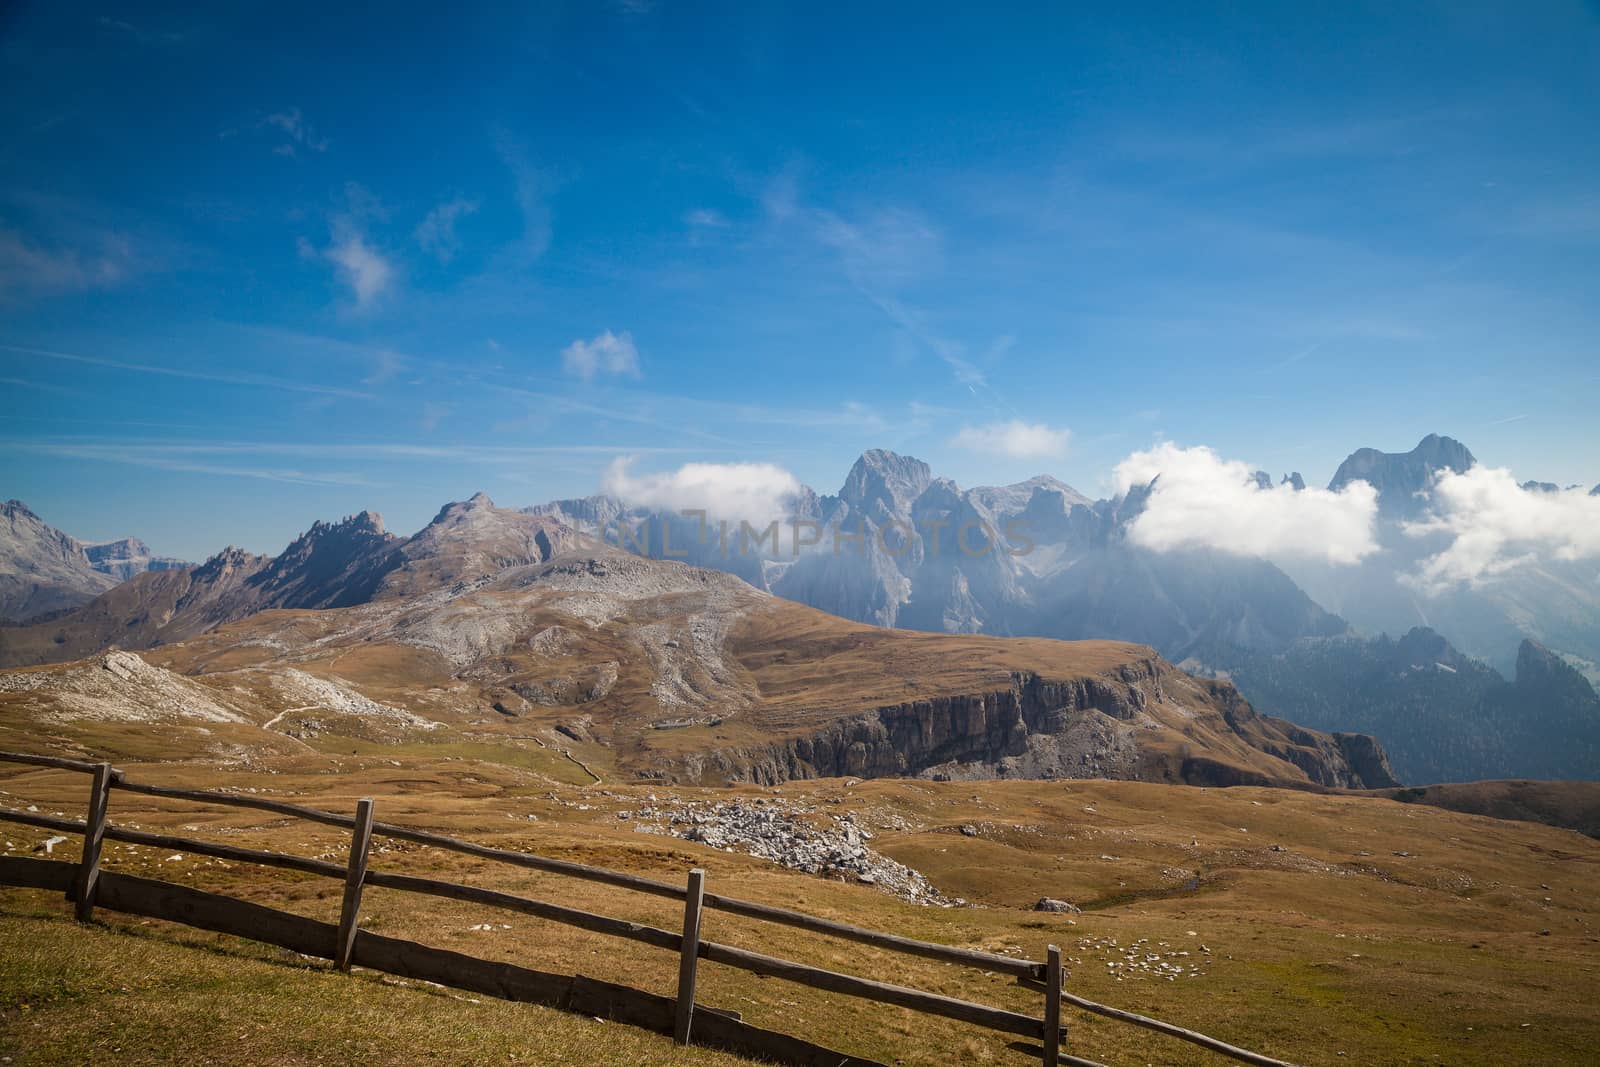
column 1538, row 666
column 229, row 561
column 351, row 533
column 475, row 507
column 1004, row 500
column 1293, row 478
column 365, row 522
column 16, row 509
column 1400, row 477
column 887, row 477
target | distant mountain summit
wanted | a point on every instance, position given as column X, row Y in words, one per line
column 331, row 565
column 883, row 482
column 1402, row 478
column 127, row 556
column 42, row 569
column 901, row 547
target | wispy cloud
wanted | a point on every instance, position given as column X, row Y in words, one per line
column 45, row 387
column 706, row 218
column 1015, row 439
column 607, row 353
column 616, row 412
column 880, row 251
column 528, row 191
column 256, row 380
column 296, row 133
column 124, row 453
column 28, row 268
column 139, row 33
column 437, row 232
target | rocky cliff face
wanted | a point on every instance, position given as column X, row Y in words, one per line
column 1102, row 727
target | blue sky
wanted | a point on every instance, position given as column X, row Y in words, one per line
column 264, row 265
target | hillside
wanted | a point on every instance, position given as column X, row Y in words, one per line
column 1322, row 929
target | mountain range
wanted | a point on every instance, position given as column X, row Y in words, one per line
column 897, row 547
column 1213, row 611
column 495, row 621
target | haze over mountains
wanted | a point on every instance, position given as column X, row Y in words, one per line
column 897, row 546
column 1086, row 573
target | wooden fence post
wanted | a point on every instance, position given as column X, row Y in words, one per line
column 689, row 958
column 355, row 876
column 94, row 835
column 1052, row 1007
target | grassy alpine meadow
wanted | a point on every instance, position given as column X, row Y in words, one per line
column 1319, row 929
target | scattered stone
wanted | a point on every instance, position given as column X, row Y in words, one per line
column 968, row 830
column 1053, row 904
column 794, row 835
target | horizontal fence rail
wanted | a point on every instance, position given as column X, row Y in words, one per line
column 345, row 943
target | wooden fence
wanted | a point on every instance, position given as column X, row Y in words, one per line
column 346, row 944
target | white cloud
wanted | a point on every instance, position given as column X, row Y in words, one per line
column 1015, row 439
column 607, row 353
column 755, row 492
column 437, row 233
column 362, row 267
column 1202, row 500
column 1497, row 526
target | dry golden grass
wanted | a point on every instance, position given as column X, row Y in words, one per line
column 805, row 660
column 1439, row 955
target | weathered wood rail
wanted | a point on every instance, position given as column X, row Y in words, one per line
column 346, row 944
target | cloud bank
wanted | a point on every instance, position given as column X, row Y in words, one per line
column 1201, row 500
column 608, row 353
column 756, row 492
column 1015, row 439
column 1496, row 526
